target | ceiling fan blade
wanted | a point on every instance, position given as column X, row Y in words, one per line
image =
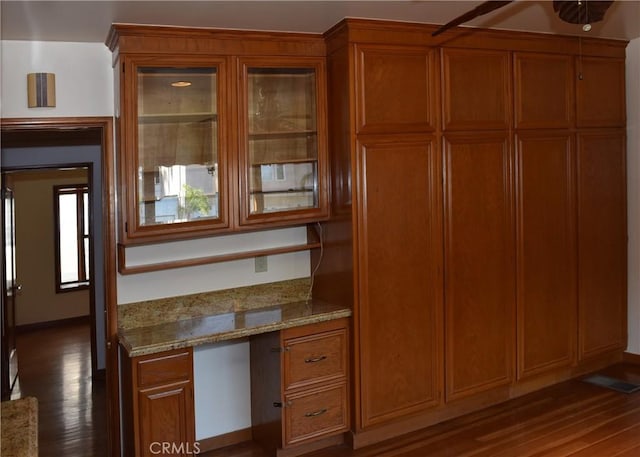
column 479, row 10
column 584, row 12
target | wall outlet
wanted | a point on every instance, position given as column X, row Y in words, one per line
column 261, row 264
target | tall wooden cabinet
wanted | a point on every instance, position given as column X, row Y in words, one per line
column 387, row 174
column 477, row 215
column 544, row 122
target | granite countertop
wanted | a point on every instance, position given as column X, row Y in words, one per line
column 227, row 326
column 179, row 322
column 19, row 427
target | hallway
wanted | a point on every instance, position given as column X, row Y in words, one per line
column 55, row 367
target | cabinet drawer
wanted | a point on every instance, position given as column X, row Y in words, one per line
column 315, row 413
column 169, row 367
column 315, row 358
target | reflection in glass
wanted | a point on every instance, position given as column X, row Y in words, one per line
column 177, row 145
column 283, row 139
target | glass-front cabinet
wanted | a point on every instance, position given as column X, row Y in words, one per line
column 220, row 144
column 283, row 146
column 176, row 172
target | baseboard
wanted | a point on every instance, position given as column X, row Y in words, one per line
column 629, row 357
column 228, row 439
column 49, row 324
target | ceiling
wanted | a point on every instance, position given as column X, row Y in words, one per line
column 89, row 21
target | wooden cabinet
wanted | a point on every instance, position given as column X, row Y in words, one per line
column 157, row 392
column 600, row 92
column 546, row 252
column 218, row 131
column 282, row 139
column 387, row 183
column 483, row 235
column 602, row 243
column 299, row 387
column 174, row 169
column 479, row 263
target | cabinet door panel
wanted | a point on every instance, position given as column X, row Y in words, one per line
column 479, row 264
column 544, row 91
column 476, row 89
column 166, row 417
column 547, row 308
column 601, row 92
column 601, row 243
column 395, row 90
column 400, row 292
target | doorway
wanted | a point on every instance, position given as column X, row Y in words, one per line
column 32, row 144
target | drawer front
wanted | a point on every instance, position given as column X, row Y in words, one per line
column 316, row 413
column 316, row 358
column 164, row 368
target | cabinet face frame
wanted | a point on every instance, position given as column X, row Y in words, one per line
column 130, row 229
column 244, row 64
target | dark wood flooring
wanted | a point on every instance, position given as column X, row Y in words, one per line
column 54, row 365
column 569, row 419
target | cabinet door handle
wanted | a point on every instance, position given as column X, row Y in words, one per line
column 316, row 413
column 315, row 359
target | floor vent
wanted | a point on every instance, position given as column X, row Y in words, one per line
column 612, row 383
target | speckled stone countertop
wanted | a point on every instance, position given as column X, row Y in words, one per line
column 19, row 427
column 173, row 323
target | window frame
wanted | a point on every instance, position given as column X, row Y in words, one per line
column 84, row 281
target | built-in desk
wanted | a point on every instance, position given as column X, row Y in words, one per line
column 309, row 338
column 227, row 326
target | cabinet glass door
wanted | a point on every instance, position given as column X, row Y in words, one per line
column 282, row 139
column 177, row 161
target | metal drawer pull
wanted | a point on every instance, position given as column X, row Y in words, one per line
column 315, row 359
column 316, row 413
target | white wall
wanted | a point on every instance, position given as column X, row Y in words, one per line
column 633, row 193
column 84, row 78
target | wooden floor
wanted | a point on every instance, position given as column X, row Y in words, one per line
column 54, row 365
column 570, row 419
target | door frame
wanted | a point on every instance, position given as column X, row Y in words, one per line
column 9, row 356
column 105, row 126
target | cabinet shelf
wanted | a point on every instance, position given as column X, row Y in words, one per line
column 277, row 134
column 313, row 242
column 177, row 118
column 283, row 162
column 284, row 191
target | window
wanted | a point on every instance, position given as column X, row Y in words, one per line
column 71, row 206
